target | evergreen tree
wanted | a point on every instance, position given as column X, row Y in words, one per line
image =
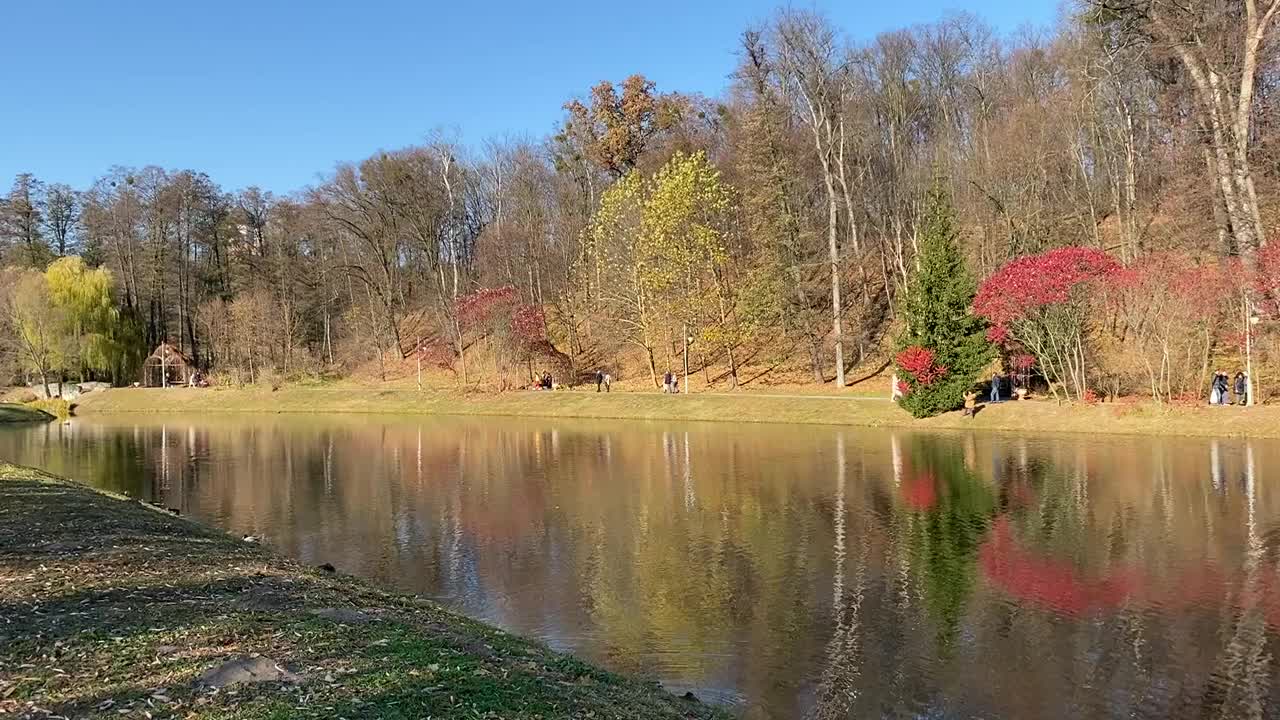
column 945, row 345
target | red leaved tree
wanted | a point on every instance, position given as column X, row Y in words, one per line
column 1166, row 310
column 1043, row 303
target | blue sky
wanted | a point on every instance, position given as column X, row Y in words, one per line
column 275, row 93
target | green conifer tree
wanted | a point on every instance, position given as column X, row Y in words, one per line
column 940, row 319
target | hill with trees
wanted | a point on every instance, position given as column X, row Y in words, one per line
column 1113, row 184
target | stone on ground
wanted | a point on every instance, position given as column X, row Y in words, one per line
column 246, row 670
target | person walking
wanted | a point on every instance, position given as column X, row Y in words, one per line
column 995, row 387
column 608, row 382
column 1242, row 390
column 599, row 379
column 1220, row 393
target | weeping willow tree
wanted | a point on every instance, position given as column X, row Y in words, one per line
column 94, row 337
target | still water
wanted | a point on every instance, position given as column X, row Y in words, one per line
column 788, row 572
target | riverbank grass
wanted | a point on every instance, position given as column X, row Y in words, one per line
column 1025, row 417
column 16, row 413
column 110, row 608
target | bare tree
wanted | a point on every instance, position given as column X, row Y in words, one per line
column 815, row 66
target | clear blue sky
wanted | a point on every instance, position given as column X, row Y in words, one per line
column 274, row 93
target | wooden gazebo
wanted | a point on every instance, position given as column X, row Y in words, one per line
column 166, row 366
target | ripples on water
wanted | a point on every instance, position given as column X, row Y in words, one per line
column 790, row 572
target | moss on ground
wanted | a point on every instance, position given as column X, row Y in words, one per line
column 110, row 608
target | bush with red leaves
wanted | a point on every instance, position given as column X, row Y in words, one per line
column 529, row 324
column 918, row 363
column 479, row 307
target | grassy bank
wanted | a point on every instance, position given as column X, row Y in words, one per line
column 1028, row 416
column 15, row 413
column 109, row 608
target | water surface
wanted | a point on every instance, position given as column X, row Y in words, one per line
column 787, row 571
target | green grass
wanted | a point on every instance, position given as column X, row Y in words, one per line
column 14, row 413
column 114, row 609
column 1035, row 416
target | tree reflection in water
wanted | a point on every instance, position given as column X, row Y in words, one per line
column 795, row 571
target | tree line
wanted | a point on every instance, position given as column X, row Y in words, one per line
column 777, row 225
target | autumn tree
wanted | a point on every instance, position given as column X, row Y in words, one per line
column 1167, row 310
column 617, row 260
column 1046, row 303
column 34, row 324
column 684, row 260
column 616, row 127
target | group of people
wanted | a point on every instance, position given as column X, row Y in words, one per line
column 545, row 381
column 1222, row 386
column 603, row 380
column 670, row 383
column 997, row 380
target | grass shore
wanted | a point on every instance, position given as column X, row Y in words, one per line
column 16, row 413
column 1033, row 416
column 110, row 608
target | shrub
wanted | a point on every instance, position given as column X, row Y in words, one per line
column 57, row 407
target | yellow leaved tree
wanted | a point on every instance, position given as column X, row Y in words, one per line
column 683, row 253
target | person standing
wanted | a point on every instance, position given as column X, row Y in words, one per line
column 666, row 383
column 599, row 379
column 1220, row 394
column 608, row 382
column 1242, row 391
column 995, row 387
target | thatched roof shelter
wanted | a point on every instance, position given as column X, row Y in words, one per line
column 166, row 366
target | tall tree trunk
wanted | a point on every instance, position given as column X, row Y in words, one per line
column 833, row 252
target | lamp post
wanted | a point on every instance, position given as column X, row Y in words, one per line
column 687, row 340
column 1250, row 319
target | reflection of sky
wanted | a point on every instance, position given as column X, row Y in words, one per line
column 707, row 555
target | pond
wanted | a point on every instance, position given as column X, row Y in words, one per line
column 784, row 571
